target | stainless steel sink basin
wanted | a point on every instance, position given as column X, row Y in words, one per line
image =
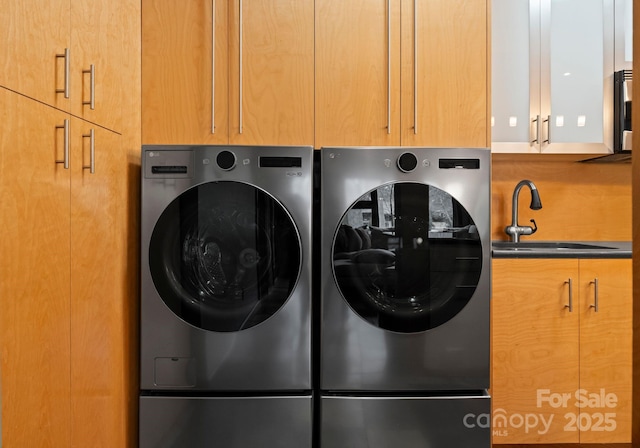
column 546, row 246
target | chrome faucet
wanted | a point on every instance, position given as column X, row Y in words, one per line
column 515, row 230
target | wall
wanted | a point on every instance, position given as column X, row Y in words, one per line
column 580, row 201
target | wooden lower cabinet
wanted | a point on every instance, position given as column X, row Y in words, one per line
column 606, row 350
column 63, row 293
column 561, row 369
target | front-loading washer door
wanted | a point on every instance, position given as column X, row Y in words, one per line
column 407, row 257
column 225, row 256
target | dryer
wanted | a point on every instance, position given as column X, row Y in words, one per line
column 225, row 355
column 405, row 296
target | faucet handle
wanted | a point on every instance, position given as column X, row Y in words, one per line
column 535, row 226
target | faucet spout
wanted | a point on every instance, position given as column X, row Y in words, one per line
column 515, row 230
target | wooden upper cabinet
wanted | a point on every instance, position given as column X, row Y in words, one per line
column 32, row 34
column 402, row 72
column 271, row 72
column 445, row 93
column 97, row 71
column 49, row 48
column 179, row 55
column 357, row 73
column 262, row 65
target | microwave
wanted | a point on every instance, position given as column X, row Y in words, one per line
column 622, row 91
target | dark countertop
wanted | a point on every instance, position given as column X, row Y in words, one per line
column 561, row 249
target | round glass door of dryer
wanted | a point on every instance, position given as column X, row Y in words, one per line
column 407, row 257
column 225, row 256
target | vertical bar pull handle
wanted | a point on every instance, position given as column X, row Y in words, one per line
column 415, row 67
column 240, row 70
column 388, row 66
column 596, row 299
column 537, row 133
column 548, row 122
column 213, row 66
column 65, row 159
column 92, row 87
column 67, row 59
column 570, row 304
column 92, row 152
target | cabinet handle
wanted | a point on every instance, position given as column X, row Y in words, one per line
column 596, row 299
column 548, row 122
column 570, row 304
column 92, row 152
column 240, row 71
column 92, row 87
column 388, row 66
column 65, row 159
column 213, row 66
column 415, row 67
column 67, row 59
column 537, row 134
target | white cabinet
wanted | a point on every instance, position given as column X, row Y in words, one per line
column 623, row 34
column 552, row 70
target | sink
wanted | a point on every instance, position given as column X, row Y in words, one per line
column 546, row 246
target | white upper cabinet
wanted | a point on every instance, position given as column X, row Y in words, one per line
column 552, row 76
column 624, row 34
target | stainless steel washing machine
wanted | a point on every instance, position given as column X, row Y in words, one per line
column 405, row 296
column 225, row 350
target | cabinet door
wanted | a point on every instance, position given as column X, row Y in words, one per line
column 605, row 351
column 180, row 51
column 515, row 76
column 98, row 296
column 357, row 72
column 576, row 84
column 34, row 268
column 271, row 80
column 96, row 61
column 445, row 73
column 552, row 88
column 535, row 350
column 32, row 33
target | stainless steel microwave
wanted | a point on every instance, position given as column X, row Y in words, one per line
column 622, row 92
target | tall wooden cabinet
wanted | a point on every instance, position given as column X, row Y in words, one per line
column 559, row 364
column 238, row 72
column 64, row 288
column 35, row 270
column 402, row 72
column 69, row 148
column 99, row 281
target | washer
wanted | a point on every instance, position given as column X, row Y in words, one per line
column 405, row 296
column 225, row 353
